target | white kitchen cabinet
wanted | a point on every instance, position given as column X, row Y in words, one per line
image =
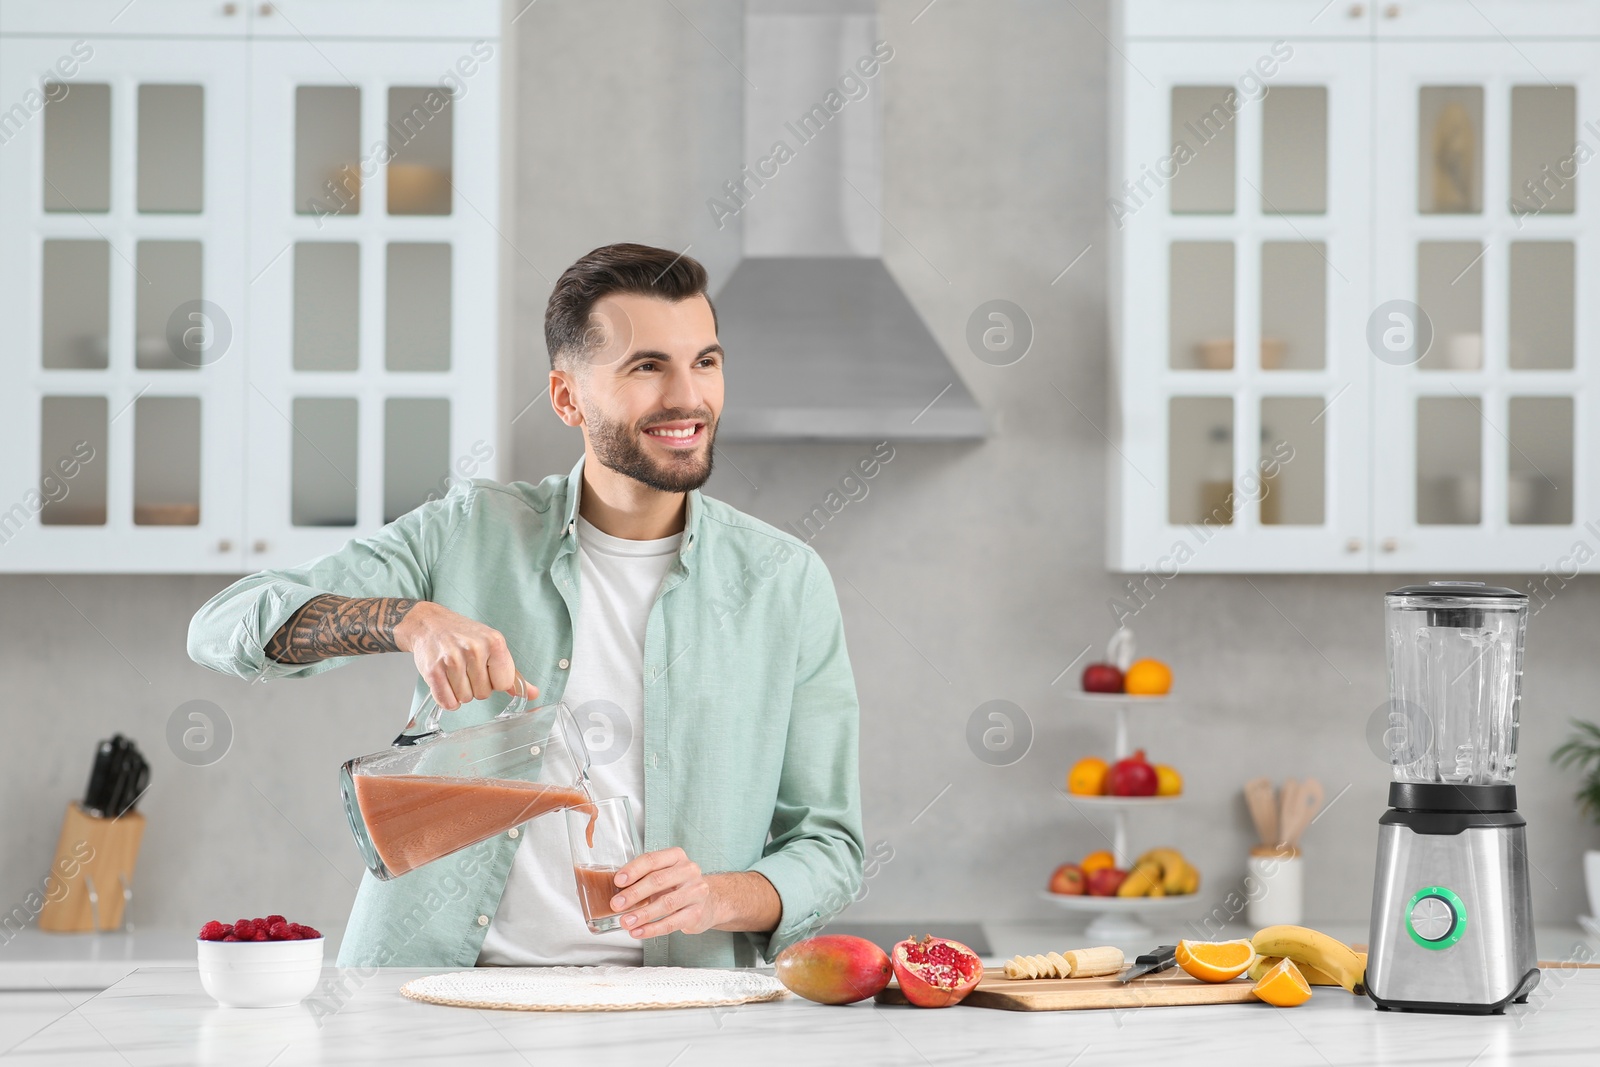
column 1242, row 241
column 1487, row 455
column 120, row 207
column 372, row 301
column 1273, row 197
column 251, row 276
column 1488, row 20
column 1199, row 20
column 1297, row 20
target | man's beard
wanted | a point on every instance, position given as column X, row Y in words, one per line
column 617, row 447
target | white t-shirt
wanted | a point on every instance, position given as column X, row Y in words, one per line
column 539, row 920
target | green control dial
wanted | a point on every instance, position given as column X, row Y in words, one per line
column 1435, row 918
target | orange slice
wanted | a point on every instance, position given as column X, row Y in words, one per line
column 1283, row 986
column 1215, row 961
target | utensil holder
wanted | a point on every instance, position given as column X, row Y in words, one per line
column 1274, row 886
column 94, row 861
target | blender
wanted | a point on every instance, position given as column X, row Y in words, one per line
column 1452, row 921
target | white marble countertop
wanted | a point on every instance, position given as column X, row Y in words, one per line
column 153, row 1011
column 160, row 1015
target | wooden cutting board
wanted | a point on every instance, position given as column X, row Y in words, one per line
column 1071, row 994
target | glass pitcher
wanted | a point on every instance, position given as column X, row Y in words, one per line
column 1455, row 681
column 434, row 791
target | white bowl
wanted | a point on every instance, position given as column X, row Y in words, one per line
column 260, row 974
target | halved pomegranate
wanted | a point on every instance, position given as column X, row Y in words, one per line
column 934, row 972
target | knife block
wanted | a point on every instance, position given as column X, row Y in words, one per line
column 94, row 860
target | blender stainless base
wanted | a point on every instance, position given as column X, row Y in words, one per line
column 1452, row 919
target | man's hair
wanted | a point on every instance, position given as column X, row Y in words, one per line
column 619, row 268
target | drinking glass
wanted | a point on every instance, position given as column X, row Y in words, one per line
column 597, row 856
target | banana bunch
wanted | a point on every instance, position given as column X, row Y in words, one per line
column 1314, row 951
column 1161, row 872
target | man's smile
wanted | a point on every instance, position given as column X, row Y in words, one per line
column 679, row 435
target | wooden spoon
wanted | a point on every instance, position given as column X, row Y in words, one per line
column 1263, row 810
column 1286, row 795
column 1307, row 802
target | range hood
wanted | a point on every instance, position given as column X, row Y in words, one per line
column 822, row 342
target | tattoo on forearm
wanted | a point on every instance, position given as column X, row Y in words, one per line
column 330, row 625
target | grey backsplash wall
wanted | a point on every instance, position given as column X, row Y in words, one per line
column 968, row 573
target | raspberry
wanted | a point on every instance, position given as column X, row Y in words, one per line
column 308, row 933
column 278, row 931
column 245, row 929
column 230, row 937
column 274, row 920
column 261, row 935
column 213, row 931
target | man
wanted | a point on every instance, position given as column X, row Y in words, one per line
column 708, row 642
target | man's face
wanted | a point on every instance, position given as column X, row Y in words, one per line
column 650, row 391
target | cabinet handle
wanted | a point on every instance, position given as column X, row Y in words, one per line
column 264, row 10
column 224, row 545
column 1353, row 545
column 1389, row 544
column 1392, row 11
column 1357, row 10
column 230, row 9
column 259, row 546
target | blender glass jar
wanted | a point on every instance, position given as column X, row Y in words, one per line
column 1455, row 681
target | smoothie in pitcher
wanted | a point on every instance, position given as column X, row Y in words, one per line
column 416, row 818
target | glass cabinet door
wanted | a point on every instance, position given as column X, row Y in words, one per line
column 1484, row 450
column 1244, row 223
column 123, row 182
column 373, row 333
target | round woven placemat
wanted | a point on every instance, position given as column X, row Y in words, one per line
column 608, row 988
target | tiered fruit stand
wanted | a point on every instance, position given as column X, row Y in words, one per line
column 1116, row 919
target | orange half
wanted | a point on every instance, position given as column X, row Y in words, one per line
column 1283, row 986
column 1215, row 961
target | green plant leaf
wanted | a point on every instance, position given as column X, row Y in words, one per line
column 1581, row 752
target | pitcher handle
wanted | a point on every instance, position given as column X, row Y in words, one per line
column 424, row 724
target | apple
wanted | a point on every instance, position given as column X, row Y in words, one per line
column 1102, row 678
column 1068, row 880
column 1106, row 881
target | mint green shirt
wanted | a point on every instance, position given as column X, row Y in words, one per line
column 750, row 715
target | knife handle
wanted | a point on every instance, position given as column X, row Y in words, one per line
column 1161, row 954
column 94, row 794
column 141, row 781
